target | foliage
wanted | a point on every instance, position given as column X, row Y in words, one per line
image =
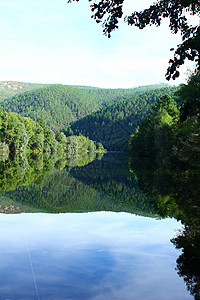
column 4, row 148
column 85, row 144
column 111, row 11
column 61, row 105
column 39, row 148
column 166, row 136
column 22, row 134
column 189, row 97
column 186, row 146
column 114, row 124
column 153, row 136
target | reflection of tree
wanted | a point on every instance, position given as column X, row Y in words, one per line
column 158, row 185
column 176, row 194
column 112, row 179
column 77, row 160
column 188, row 263
column 21, row 169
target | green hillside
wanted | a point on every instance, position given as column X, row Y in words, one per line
column 12, row 88
column 61, row 105
column 113, row 125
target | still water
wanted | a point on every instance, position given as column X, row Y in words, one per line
column 101, row 255
column 98, row 254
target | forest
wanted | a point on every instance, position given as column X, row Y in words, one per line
column 113, row 125
column 22, row 134
column 61, row 105
column 159, row 121
column 170, row 133
column 155, row 127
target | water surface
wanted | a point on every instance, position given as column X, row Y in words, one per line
column 101, row 255
column 106, row 230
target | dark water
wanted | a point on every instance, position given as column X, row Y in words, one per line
column 101, row 231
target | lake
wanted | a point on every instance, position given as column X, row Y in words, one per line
column 95, row 232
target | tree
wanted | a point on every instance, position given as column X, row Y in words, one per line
column 189, row 97
column 108, row 12
column 168, row 104
column 154, row 135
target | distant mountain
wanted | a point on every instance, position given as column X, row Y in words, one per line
column 11, row 88
column 113, row 124
column 61, row 105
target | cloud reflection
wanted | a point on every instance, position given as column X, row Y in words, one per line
column 88, row 256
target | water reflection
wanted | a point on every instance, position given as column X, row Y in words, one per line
column 23, row 168
column 176, row 193
column 31, row 183
column 88, row 256
column 104, row 185
column 107, row 256
column 113, row 180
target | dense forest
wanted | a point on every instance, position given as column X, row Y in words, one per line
column 113, row 125
column 171, row 132
column 61, row 105
column 158, row 121
column 22, row 134
column 19, row 133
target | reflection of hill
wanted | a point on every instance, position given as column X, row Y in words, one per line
column 111, row 178
column 100, row 186
column 60, row 192
column 33, row 183
column 57, row 193
column 8, row 206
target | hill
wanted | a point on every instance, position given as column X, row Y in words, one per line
column 113, row 124
column 11, row 88
column 61, row 105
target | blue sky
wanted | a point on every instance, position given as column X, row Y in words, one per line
column 55, row 42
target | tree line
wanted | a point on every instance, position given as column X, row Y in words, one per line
column 171, row 131
column 22, row 134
